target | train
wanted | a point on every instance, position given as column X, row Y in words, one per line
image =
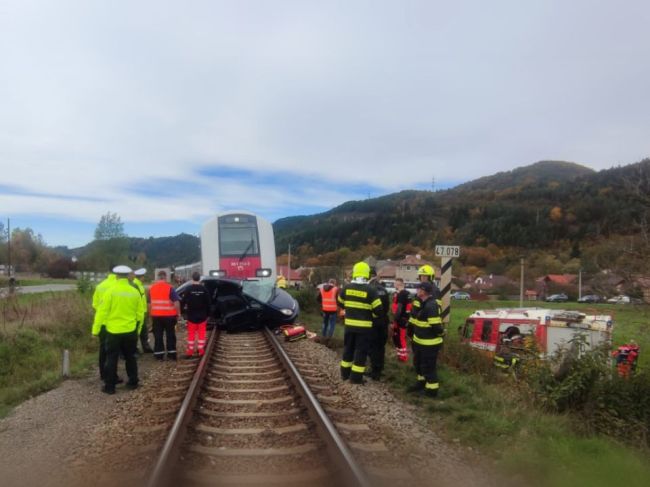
column 238, row 245
column 238, row 266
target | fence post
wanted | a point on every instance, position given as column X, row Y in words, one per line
column 66, row 364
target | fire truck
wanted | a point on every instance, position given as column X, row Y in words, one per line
column 547, row 331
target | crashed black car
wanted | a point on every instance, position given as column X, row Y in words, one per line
column 247, row 305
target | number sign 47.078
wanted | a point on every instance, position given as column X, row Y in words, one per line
column 447, row 251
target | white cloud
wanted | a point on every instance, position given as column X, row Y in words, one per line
column 97, row 96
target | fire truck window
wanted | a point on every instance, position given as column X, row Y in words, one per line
column 486, row 332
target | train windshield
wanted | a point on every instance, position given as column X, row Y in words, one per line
column 260, row 290
column 238, row 236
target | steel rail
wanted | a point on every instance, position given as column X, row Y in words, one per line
column 352, row 473
column 161, row 473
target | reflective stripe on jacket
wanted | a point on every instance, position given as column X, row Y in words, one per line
column 161, row 303
column 428, row 329
column 361, row 304
column 329, row 299
column 120, row 309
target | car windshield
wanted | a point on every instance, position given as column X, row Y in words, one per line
column 262, row 291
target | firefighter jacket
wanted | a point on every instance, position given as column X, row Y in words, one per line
column 137, row 283
column 327, row 298
column 162, row 297
column 427, row 323
column 361, row 304
column 401, row 307
column 120, row 309
column 382, row 316
column 416, row 304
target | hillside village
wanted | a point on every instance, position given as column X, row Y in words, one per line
column 482, row 286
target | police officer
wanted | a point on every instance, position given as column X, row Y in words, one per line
column 144, row 333
column 427, row 340
column 120, row 311
column 379, row 328
column 361, row 305
column 98, row 328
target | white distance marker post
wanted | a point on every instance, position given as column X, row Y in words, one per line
column 446, row 254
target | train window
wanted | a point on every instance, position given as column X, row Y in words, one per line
column 238, row 238
column 486, row 331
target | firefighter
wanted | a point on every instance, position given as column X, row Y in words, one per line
column 626, row 357
column 281, row 282
column 120, row 312
column 98, row 328
column 196, row 310
column 379, row 328
column 427, row 340
column 144, row 333
column 425, row 274
column 361, row 305
column 401, row 308
column 327, row 295
column 164, row 308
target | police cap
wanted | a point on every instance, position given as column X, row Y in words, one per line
column 140, row 272
column 122, row 270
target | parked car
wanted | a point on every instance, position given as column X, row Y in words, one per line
column 461, row 295
column 590, row 298
column 557, row 298
column 247, row 305
column 620, row 299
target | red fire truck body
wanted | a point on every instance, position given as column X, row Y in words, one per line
column 551, row 330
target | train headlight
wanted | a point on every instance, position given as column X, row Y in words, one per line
column 218, row 273
column 263, row 273
column 286, row 311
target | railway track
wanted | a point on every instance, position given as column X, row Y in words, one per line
column 249, row 418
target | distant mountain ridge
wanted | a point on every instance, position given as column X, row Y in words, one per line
column 531, row 206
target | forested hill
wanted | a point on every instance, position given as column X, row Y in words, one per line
column 532, row 206
column 152, row 252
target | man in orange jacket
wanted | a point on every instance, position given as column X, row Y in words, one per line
column 327, row 296
column 164, row 308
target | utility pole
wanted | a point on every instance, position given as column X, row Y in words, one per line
column 521, row 284
column 289, row 267
column 579, row 284
column 8, row 247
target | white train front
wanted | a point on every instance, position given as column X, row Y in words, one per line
column 238, row 245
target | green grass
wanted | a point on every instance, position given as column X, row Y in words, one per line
column 34, row 331
column 483, row 409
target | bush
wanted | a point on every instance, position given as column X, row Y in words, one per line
column 306, row 298
column 85, row 286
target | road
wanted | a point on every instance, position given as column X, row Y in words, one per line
column 39, row 289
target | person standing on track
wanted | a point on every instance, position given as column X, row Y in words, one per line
column 401, row 308
column 425, row 274
column 98, row 328
column 164, row 308
column 379, row 328
column 195, row 307
column 361, row 305
column 427, row 340
column 144, row 333
column 327, row 297
column 121, row 311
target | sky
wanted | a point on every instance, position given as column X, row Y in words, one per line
column 167, row 113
